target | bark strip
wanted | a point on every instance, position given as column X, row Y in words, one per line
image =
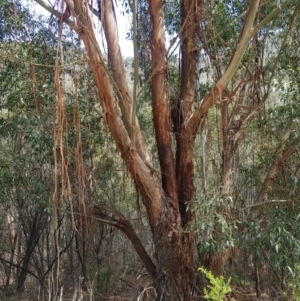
column 185, row 143
column 119, row 76
column 161, row 112
column 146, row 180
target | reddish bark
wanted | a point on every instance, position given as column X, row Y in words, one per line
column 162, row 215
column 185, row 140
column 174, row 255
column 164, row 199
column 118, row 72
column 120, row 222
column 161, row 112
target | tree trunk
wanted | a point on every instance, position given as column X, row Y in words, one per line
column 13, row 235
column 35, row 228
column 165, row 202
column 175, row 266
column 173, row 273
column 165, row 194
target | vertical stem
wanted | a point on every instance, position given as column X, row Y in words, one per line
column 135, row 76
column 161, row 116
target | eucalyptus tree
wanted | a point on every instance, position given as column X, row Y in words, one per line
column 168, row 191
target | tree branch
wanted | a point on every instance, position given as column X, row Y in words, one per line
column 56, row 13
column 272, row 172
column 146, row 180
column 272, row 15
column 161, row 115
column 135, row 75
column 116, row 219
column 216, row 91
column 265, row 203
column 119, row 76
column 247, row 33
column 286, row 152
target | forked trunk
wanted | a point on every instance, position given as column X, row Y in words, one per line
column 165, row 196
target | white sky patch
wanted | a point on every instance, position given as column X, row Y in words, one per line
column 123, row 21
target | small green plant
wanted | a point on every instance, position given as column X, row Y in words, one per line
column 105, row 279
column 217, row 289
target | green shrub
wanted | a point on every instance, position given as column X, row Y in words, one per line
column 218, row 288
column 105, row 279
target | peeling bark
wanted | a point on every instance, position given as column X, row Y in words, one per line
column 175, row 263
column 185, row 140
column 119, row 76
column 146, row 180
column 161, row 114
column 164, row 199
column 166, row 227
